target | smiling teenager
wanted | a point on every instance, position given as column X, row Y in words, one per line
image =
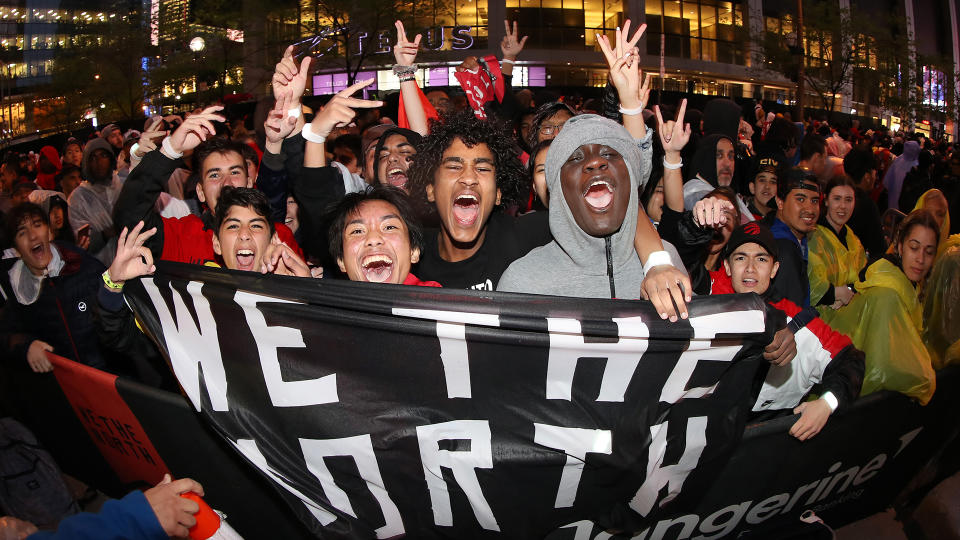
column 836, row 254
column 798, row 208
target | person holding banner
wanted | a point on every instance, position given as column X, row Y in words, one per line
column 374, row 237
column 157, row 513
column 824, row 356
column 217, row 160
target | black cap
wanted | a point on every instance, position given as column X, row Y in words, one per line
column 752, row 232
column 797, row 178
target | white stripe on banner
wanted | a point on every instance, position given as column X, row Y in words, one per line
column 708, row 326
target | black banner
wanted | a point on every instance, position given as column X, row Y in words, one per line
column 382, row 410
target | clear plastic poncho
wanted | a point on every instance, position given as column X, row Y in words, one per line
column 884, row 321
column 941, row 310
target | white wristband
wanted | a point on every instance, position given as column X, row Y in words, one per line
column 506, row 61
column 657, row 258
column 672, row 166
column 309, row 135
column 295, row 112
column 831, row 401
column 134, row 148
column 168, row 149
column 631, row 112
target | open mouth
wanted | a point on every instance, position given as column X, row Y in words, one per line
column 466, row 209
column 599, row 194
column 245, row 259
column 288, row 220
column 807, row 219
column 749, row 283
column 37, row 250
column 377, row 268
column 397, row 177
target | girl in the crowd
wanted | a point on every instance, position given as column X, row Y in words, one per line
column 884, row 318
column 934, row 201
column 836, row 255
column 548, row 121
column 536, row 168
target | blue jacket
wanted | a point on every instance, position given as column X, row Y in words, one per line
column 129, row 518
column 791, row 282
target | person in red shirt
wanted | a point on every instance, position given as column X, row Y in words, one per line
column 218, row 161
column 374, row 237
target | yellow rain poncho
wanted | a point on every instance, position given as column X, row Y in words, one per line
column 831, row 264
column 884, row 321
column 941, row 310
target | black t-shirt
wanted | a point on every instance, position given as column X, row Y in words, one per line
column 507, row 239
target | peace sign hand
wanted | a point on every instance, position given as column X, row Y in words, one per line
column 623, row 59
column 338, row 111
column 405, row 51
column 509, row 44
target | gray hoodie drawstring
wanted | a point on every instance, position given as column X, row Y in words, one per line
column 613, row 288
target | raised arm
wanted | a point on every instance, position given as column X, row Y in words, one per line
column 338, row 112
column 405, row 52
column 510, row 46
column 623, row 59
column 674, row 135
column 290, row 80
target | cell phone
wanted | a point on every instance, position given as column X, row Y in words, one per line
column 83, row 232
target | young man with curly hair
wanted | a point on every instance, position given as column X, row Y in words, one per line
column 465, row 169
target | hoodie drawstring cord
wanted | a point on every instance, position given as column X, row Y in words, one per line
column 613, row 288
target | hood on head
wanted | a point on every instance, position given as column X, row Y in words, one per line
column 705, row 159
column 96, row 144
column 586, row 250
column 721, row 116
column 911, row 152
column 52, row 156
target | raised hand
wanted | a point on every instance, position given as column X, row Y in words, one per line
column 196, row 129
column 509, row 45
column 674, row 134
column 149, row 138
column 279, row 124
column 280, row 259
column 623, row 59
column 405, row 51
column 133, row 259
column 713, row 212
column 289, row 77
column 339, row 110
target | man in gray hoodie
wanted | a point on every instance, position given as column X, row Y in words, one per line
column 594, row 170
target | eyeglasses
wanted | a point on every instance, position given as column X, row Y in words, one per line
column 550, row 130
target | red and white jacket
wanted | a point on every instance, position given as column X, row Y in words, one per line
column 824, row 357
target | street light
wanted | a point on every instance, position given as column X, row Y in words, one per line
column 197, row 44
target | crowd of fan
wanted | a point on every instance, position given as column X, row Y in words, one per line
column 845, row 232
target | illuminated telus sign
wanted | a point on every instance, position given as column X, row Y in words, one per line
column 434, row 39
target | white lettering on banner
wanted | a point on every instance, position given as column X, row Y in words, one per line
column 451, row 331
column 360, row 448
column 567, row 348
column 712, row 526
column 461, row 462
column 676, row 386
column 186, row 343
column 269, row 339
column 576, row 443
column 660, row 475
column 739, row 322
column 249, row 449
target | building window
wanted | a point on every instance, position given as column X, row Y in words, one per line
column 710, row 30
column 565, row 24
